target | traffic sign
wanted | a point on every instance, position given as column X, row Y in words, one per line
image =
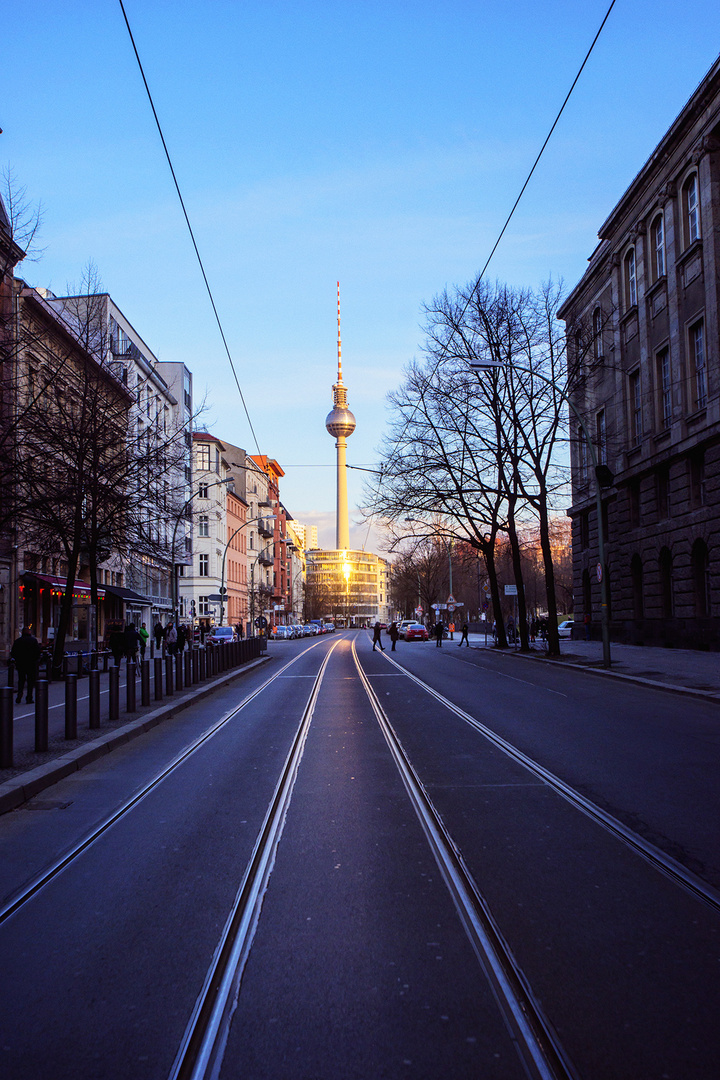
column 418, row 610
column 511, row 590
column 451, row 599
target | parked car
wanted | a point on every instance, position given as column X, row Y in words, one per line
column 329, row 628
column 565, row 629
column 221, row 633
column 405, row 623
column 416, row 632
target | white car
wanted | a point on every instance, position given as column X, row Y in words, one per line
column 565, row 629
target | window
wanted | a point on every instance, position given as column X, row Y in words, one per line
column 663, row 492
column 662, row 362
column 202, row 457
column 667, row 587
column 203, row 605
column 700, row 562
column 630, row 280
column 636, row 576
column 202, row 491
column 597, row 334
column 204, row 525
column 657, row 247
column 635, row 393
column 204, row 570
column 601, row 438
column 691, row 210
column 697, row 361
column 697, row 479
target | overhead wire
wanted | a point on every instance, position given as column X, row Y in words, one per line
column 187, row 222
column 444, row 347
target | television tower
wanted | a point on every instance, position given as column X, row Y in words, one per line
column 341, row 423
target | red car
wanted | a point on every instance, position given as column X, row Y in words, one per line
column 416, row 632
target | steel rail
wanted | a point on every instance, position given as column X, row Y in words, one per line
column 652, row 854
column 41, row 880
column 201, row 1050
column 536, row 1043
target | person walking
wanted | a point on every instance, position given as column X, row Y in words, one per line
column 116, row 642
column 132, row 643
column 26, row 653
column 181, row 638
column 439, row 628
column 464, row 637
column 377, row 640
column 144, row 638
column 159, row 634
column 393, row 635
column 171, row 639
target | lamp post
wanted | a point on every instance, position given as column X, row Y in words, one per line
column 252, row 588
column 260, row 517
column 216, row 483
column 599, row 471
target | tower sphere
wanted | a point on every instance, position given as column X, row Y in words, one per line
column 340, row 423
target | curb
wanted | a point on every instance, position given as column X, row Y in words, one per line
column 706, row 695
column 20, row 789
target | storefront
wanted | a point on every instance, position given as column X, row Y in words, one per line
column 40, row 601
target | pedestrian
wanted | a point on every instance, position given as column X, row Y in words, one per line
column 144, row 637
column 439, row 628
column 132, row 643
column 116, row 642
column 533, row 629
column 159, row 634
column 171, row 639
column 393, row 635
column 464, row 637
column 181, row 638
column 26, row 653
column 377, row 640
column 239, row 631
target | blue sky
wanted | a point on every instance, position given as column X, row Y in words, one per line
column 378, row 143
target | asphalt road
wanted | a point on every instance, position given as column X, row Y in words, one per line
column 359, row 965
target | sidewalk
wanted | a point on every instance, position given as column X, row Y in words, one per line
column 686, row 670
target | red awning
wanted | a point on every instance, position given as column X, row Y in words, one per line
column 57, row 585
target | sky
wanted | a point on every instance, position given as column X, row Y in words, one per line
column 378, row 143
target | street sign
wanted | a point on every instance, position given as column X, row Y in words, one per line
column 511, row 590
column 223, row 590
column 486, row 588
column 418, row 611
column 215, row 598
column 451, row 599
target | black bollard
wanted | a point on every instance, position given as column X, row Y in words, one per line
column 202, row 665
column 94, row 699
column 11, row 674
column 179, row 670
column 41, row 715
column 71, row 706
column 114, row 704
column 6, row 727
column 145, row 682
column 158, row 677
column 187, row 660
column 130, row 688
column 169, row 680
column 195, row 675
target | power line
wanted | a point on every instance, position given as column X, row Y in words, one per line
column 187, row 222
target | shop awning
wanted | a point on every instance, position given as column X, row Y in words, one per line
column 57, row 585
column 128, row 595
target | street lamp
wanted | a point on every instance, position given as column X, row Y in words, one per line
column 215, row 483
column 252, row 587
column 603, row 478
column 261, row 517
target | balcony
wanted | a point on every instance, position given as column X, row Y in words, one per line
column 266, row 528
column 265, row 558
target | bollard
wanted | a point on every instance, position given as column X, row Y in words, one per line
column 130, row 688
column 179, row 670
column 158, row 677
column 94, row 699
column 114, row 695
column 187, row 661
column 11, row 674
column 202, row 664
column 145, row 682
column 195, row 676
column 41, row 715
column 169, row 681
column 6, row 727
column 71, row 706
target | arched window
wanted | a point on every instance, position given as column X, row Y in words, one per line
column 630, row 279
column 657, row 247
column 636, row 576
column 700, row 562
column 691, row 210
column 667, row 589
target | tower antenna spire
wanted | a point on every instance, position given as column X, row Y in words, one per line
column 339, row 343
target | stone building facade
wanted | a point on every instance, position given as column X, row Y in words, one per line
column 644, row 354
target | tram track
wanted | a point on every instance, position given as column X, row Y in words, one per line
column 16, row 902
column 655, row 856
column 539, row 1048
